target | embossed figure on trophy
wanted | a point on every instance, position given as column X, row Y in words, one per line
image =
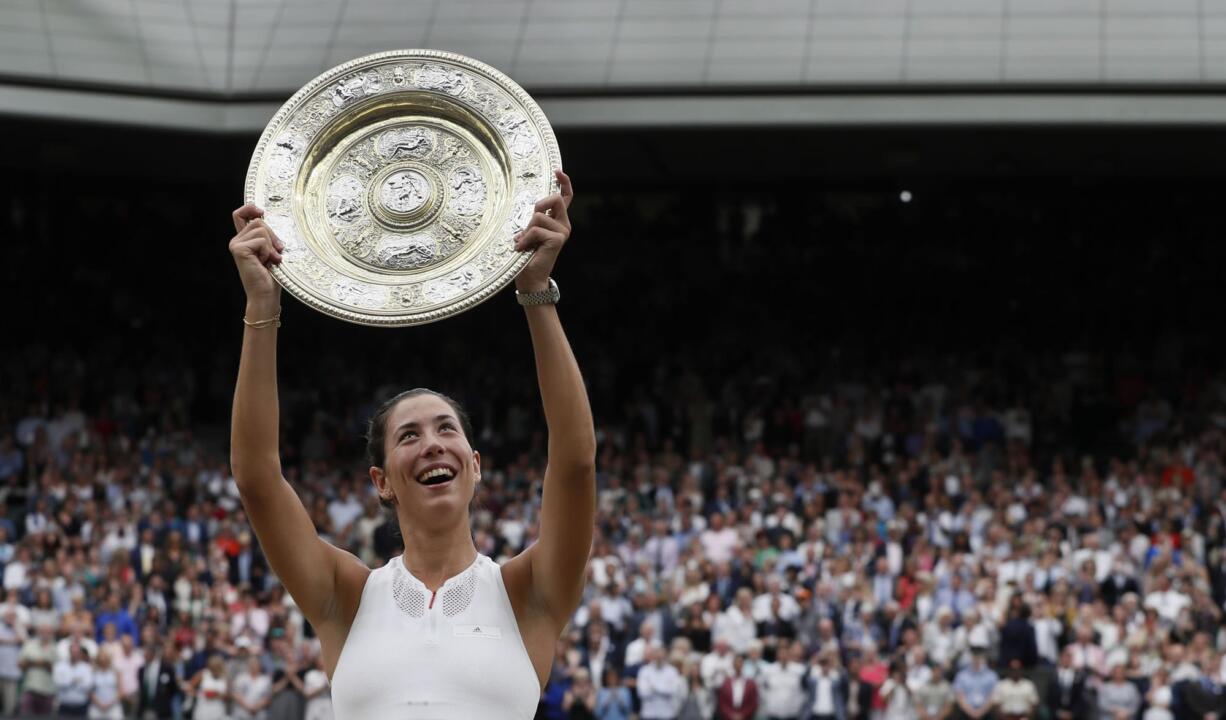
column 404, row 142
column 453, row 148
column 344, row 199
column 467, row 191
column 405, row 191
column 403, row 253
column 348, row 89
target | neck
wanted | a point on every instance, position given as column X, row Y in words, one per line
column 433, row 556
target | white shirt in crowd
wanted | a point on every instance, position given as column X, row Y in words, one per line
column 783, row 690
column 717, row 545
column 789, row 609
column 252, row 689
column 64, row 646
column 636, row 651
column 1168, row 604
column 824, row 682
column 660, row 689
column 736, row 627
column 1015, row 697
column 73, row 682
column 714, row 669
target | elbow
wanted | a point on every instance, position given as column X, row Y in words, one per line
column 582, row 467
column 577, row 459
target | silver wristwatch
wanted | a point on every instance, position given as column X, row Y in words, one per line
column 549, row 296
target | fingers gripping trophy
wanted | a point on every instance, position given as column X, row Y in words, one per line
column 399, row 189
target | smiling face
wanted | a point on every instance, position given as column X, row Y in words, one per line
column 428, row 462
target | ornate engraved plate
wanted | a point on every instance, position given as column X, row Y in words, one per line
column 397, row 182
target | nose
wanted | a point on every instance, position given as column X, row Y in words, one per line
column 432, row 445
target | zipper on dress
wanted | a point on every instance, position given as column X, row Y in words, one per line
column 432, row 635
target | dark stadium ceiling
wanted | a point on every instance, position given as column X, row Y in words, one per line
column 227, row 64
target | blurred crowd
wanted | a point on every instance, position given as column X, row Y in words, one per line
column 958, row 458
column 863, row 550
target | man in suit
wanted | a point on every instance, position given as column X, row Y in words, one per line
column 1017, row 637
column 1202, row 696
column 654, row 610
column 1066, row 689
column 825, row 690
column 142, row 556
column 738, row 696
column 159, row 684
column 1118, row 584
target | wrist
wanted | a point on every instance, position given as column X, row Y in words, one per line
column 260, row 308
column 530, row 285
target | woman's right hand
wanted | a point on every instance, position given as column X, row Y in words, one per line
column 256, row 248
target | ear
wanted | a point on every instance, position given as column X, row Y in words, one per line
column 476, row 467
column 384, row 488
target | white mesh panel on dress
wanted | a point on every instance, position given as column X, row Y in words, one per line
column 457, row 597
column 408, row 598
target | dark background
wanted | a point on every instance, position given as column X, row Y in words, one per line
column 786, row 255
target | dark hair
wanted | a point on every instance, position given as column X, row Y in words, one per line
column 376, row 430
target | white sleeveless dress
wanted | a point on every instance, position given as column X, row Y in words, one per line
column 454, row 654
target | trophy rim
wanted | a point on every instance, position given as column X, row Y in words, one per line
column 295, row 102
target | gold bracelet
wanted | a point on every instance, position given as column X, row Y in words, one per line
column 257, row 324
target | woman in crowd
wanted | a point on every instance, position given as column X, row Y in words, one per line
column 1118, row 698
column 252, row 691
column 613, row 700
column 315, row 690
column 579, row 701
column 104, row 699
column 210, row 690
column 697, row 702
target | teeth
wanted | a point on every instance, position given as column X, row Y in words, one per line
column 437, row 472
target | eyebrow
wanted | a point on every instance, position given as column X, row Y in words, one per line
column 413, row 423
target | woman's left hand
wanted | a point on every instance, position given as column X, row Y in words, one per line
column 546, row 233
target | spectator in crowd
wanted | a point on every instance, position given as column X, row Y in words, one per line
column 161, row 680
column 613, row 700
column 105, row 702
column 698, row 701
column 1066, row 691
column 579, row 701
column 1015, row 696
column 1017, row 637
column 737, row 698
column 209, row 690
column 934, row 697
column 827, row 690
column 74, row 682
column 974, row 685
column 736, row 625
column 782, row 683
column 898, row 700
column 660, row 687
column 318, row 697
column 37, row 660
column 1118, row 698
column 252, row 690
column 1159, row 698
column 12, row 637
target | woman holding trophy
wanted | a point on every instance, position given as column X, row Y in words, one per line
column 441, row 631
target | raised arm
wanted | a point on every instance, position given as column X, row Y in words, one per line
column 307, row 565
column 568, row 506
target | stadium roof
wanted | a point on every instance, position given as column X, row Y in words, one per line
column 227, row 64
